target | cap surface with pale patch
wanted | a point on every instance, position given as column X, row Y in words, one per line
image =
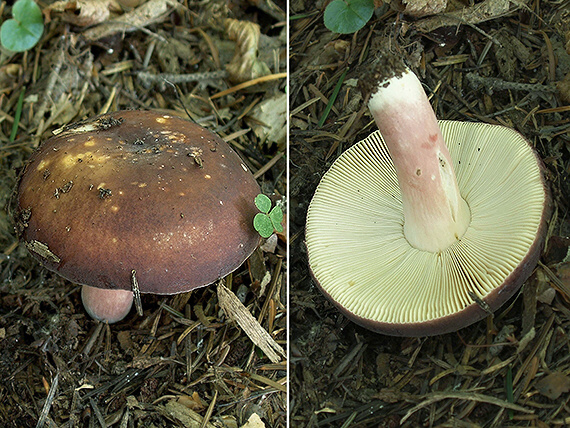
column 138, row 190
column 361, row 260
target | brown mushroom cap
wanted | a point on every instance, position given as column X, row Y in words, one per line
column 138, row 190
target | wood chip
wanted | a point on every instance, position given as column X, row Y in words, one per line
column 236, row 311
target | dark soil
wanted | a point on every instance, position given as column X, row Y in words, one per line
column 184, row 362
column 510, row 370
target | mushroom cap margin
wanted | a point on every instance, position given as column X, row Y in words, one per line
column 464, row 158
column 138, row 190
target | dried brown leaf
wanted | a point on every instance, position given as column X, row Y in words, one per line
column 149, row 13
column 193, row 402
column 83, row 13
column 270, row 120
column 420, row 8
column 553, row 385
column 9, row 74
column 245, row 65
column 480, row 12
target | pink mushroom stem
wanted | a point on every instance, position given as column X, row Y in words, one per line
column 106, row 305
column 435, row 214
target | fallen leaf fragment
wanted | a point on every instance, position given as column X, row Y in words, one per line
column 553, row 385
column 254, row 421
column 245, row 65
column 83, row 13
column 420, row 8
column 9, row 74
column 185, row 416
column 193, row 402
column 270, row 119
column 479, row 12
column 148, row 13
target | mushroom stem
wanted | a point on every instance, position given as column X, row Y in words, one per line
column 435, row 214
column 106, row 305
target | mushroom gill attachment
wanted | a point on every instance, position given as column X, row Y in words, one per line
column 137, row 190
column 362, row 261
column 426, row 227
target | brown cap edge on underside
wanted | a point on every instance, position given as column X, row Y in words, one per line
column 473, row 313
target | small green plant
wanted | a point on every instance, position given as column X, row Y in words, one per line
column 25, row 29
column 268, row 220
column 348, row 16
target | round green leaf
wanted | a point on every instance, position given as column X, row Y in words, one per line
column 348, row 16
column 27, row 11
column 276, row 216
column 263, row 203
column 263, row 225
column 24, row 31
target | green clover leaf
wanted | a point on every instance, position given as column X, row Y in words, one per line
column 268, row 220
column 263, row 203
column 348, row 16
column 23, row 31
column 263, row 225
column 276, row 216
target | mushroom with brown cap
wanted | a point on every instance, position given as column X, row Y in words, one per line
column 411, row 236
column 136, row 196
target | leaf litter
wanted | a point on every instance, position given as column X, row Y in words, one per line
column 492, row 61
column 184, row 362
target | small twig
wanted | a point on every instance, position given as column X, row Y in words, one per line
column 136, row 293
column 98, row 413
column 48, row 402
column 148, row 79
column 46, row 96
column 561, row 286
column 496, row 84
column 188, row 355
column 210, row 410
column 467, row 396
column 268, row 165
column 236, row 311
column 270, row 293
column 551, row 59
column 177, row 93
column 249, row 83
column 148, row 54
column 348, row 359
column 17, row 115
column 271, row 9
column 480, row 302
column 93, row 339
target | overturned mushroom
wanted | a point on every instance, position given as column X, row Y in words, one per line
column 136, row 191
column 424, row 228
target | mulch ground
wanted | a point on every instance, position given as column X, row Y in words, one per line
column 478, row 62
column 184, row 362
